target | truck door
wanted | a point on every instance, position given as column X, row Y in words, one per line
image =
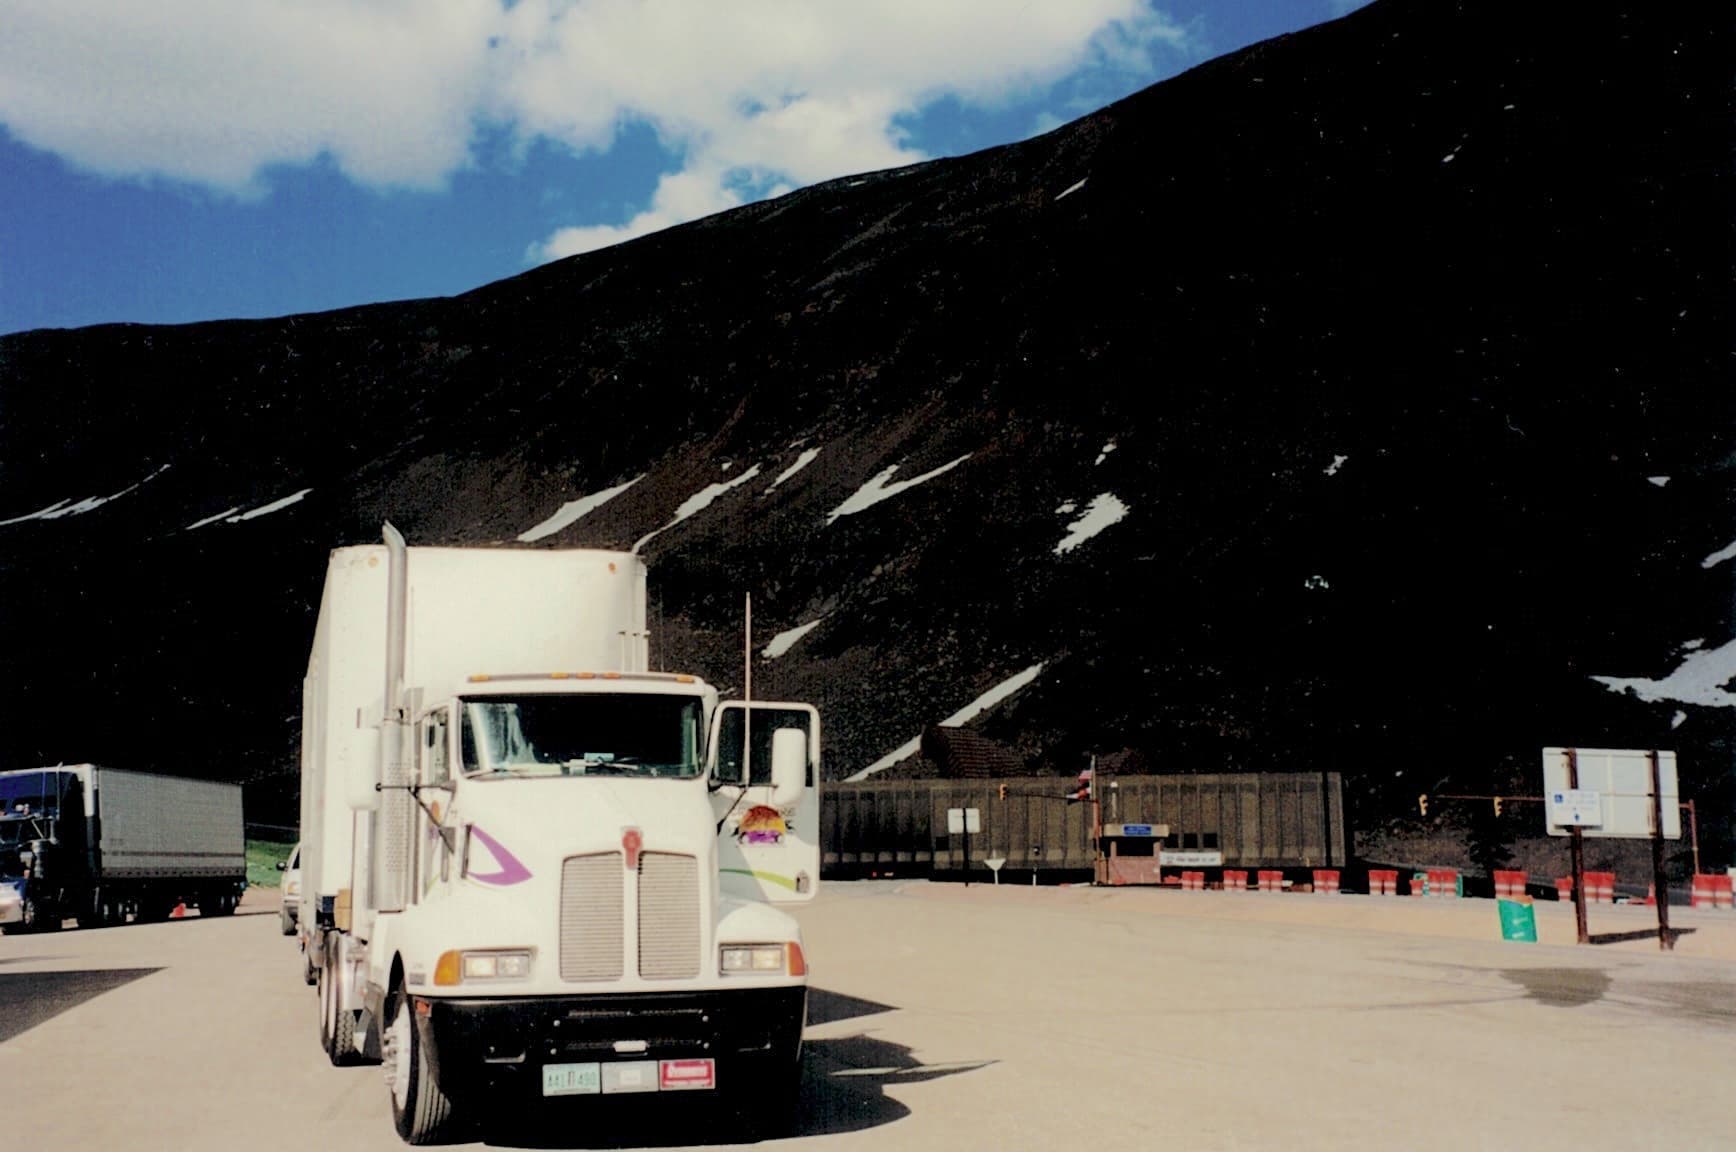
column 433, row 769
column 764, row 852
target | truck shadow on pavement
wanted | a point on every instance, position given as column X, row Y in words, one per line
column 843, row 1090
column 30, row 998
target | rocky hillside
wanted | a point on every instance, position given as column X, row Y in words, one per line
column 1351, row 401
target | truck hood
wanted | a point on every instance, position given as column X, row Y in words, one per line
column 523, row 829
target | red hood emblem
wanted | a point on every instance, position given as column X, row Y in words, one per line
column 631, row 842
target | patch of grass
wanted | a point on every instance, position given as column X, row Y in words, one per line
column 262, row 858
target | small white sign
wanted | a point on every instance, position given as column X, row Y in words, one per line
column 1191, row 859
column 960, row 820
column 1576, row 808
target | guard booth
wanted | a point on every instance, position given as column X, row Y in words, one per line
column 1133, row 853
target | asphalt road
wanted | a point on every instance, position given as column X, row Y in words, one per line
column 969, row 1020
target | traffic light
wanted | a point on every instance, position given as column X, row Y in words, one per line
column 1423, row 804
column 1497, row 805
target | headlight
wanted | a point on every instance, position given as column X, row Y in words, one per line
column 494, row 964
column 293, row 888
column 746, row 958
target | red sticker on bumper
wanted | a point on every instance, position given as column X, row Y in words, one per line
column 678, row 1075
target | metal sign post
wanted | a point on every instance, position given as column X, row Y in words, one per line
column 1660, row 882
column 962, row 822
column 1578, row 856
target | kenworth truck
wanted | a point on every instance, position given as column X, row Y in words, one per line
column 531, row 867
column 97, row 845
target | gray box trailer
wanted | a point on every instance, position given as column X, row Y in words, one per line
column 79, row 841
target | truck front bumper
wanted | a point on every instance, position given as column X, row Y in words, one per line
column 503, row 1043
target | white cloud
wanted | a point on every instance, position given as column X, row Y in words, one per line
column 753, row 97
column 211, row 92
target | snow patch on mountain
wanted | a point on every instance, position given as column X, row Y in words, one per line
column 62, row 507
column 878, row 489
column 268, row 509
column 699, row 502
column 1699, row 679
column 1719, row 556
column 786, row 640
column 958, row 719
column 1104, row 454
column 1105, row 509
column 573, row 510
column 1074, row 188
column 802, row 461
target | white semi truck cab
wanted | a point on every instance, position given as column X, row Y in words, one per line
column 534, row 869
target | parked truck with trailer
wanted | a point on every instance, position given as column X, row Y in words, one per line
column 100, row 845
column 533, row 868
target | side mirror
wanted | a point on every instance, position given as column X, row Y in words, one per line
column 282, row 865
column 789, row 766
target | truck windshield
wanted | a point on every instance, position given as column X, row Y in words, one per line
column 594, row 734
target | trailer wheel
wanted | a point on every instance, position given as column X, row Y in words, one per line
column 421, row 1112
column 223, row 904
column 106, row 911
column 337, row 1025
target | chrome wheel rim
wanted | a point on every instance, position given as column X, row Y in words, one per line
column 397, row 1056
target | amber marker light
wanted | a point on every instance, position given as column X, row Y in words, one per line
column 448, row 968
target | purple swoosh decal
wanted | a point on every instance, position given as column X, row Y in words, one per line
column 511, row 871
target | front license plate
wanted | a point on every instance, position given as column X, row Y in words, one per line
column 572, row 1079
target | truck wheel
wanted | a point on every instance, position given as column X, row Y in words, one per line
column 105, row 910
column 337, row 1025
column 420, row 1110
column 29, row 920
column 286, row 922
column 36, row 916
column 222, row 904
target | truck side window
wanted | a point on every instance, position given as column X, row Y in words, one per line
column 766, row 721
column 436, row 769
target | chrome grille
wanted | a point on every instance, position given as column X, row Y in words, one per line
column 668, row 916
column 592, row 894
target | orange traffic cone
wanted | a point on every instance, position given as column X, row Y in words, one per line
column 180, row 911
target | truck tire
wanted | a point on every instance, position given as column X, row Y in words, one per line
column 286, row 922
column 337, row 1025
column 106, row 911
column 38, row 916
column 421, row 1112
column 29, row 919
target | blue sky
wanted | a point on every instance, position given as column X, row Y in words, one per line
column 203, row 159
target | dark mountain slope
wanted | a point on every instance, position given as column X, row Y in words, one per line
column 1390, row 324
